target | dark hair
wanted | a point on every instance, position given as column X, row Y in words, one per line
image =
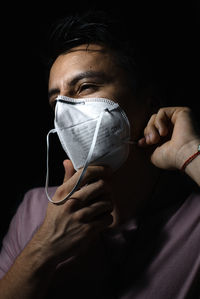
column 92, row 27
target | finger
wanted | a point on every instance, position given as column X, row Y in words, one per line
column 69, row 169
column 166, row 118
column 93, row 173
column 84, row 194
column 162, row 122
column 100, row 225
column 94, row 211
column 92, row 191
column 172, row 113
column 151, row 132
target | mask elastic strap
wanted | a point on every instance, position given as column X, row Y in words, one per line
column 85, row 166
column 47, row 164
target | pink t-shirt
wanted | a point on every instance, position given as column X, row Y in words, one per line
column 156, row 258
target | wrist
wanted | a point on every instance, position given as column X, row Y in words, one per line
column 39, row 251
column 30, row 272
column 187, row 155
column 190, row 159
column 38, row 257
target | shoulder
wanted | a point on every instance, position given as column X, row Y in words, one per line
column 191, row 207
column 188, row 212
column 38, row 195
column 174, row 240
column 32, row 211
column 183, row 227
column 28, row 217
column 36, row 199
column 194, row 198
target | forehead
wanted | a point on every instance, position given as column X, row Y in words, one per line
column 81, row 58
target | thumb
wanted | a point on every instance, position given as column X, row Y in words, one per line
column 69, row 170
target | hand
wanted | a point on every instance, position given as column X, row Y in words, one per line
column 172, row 132
column 68, row 229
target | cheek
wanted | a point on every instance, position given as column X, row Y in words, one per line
column 108, row 92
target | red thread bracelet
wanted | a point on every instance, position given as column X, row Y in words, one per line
column 190, row 159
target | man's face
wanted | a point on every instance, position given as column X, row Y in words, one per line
column 91, row 71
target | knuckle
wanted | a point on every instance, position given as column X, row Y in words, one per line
column 60, row 191
column 101, row 183
column 150, row 124
column 145, row 130
column 78, row 215
column 187, row 109
column 153, row 117
column 72, row 203
column 161, row 110
column 157, row 122
column 89, row 172
column 94, row 170
column 101, row 168
column 181, row 110
column 87, row 228
column 151, row 121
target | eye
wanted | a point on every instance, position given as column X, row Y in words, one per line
column 86, row 87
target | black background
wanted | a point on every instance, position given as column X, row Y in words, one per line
column 167, row 38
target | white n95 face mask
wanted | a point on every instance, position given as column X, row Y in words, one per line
column 92, row 131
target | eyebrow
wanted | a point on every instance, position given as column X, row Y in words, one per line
column 77, row 78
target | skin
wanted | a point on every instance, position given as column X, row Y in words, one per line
column 72, row 231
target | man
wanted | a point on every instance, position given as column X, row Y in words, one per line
column 130, row 233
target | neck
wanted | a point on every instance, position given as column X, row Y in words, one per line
column 133, row 186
